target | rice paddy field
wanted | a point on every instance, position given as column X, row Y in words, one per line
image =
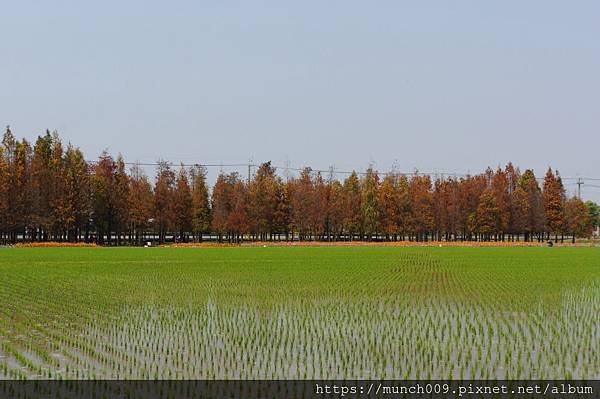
column 300, row 313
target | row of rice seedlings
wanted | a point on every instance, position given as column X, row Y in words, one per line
column 366, row 339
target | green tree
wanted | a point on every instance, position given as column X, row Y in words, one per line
column 42, row 184
column 594, row 212
column 101, row 184
column 182, row 205
column 60, row 212
column 577, row 219
column 9, row 222
column 201, row 216
column 120, row 193
column 535, row 220
column 164, row 188
column 77, row 193
column 352, row 206
column 21, row 184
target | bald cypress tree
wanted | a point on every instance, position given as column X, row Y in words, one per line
column 370, row 204
column 182, row 205
column 319, row 207
column 352, row 206
column 512, row 177
column 500, row 187
column 4, row 188
column 141, row 204
column 388, row 205
column 60, row 212
column 77, row 193
column 488, row 215
column 553, row 199
column 336, row 209
column 535, row 219
column 41, row 187
column 283, row 210
column 520, row 213
column 22, row 220
column 220, row 205
column 262, row 201
column 164, row 188
column 120, row 194
column 201, row 217
column 103, row 210
column 422, row 212
column 301, row 197
column 9, row 145
column 237, row 218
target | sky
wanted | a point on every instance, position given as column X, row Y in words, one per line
column 435, row 86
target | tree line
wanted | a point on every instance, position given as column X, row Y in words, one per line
column 49, row 192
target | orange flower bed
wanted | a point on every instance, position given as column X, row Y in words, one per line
column 411, row 243
column 200, row 244
column 52, row 244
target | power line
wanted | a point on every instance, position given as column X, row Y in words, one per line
column 187, row 165
column 297, row 169
column 347, row 172
column 249, row 166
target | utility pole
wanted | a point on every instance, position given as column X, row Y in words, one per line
column 579, row 183
column 250, row 165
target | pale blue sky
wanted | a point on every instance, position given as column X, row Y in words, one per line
column 438, row 86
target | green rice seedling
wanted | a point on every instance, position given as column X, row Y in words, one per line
column 299, row 313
